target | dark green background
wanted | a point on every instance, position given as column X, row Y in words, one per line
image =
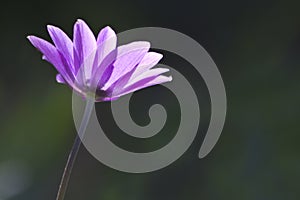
column 255, row 44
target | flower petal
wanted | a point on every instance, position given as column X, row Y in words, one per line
column 104, row 71
column 149, row 61
column 143, row 84
column 128, row 57
column 63, row 44
column 107, row 34
column 60, row 79
column 148, row 74
column 118, row 86
column 106, row 43
column 84, row 48
column 50, row 54
column 124, row 82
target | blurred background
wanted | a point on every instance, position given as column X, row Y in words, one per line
column 255, row 44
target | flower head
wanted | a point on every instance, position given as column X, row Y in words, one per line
column 96, row 65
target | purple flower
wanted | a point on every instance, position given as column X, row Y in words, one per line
column 90, row 65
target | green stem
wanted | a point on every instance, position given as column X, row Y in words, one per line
column 74, row 151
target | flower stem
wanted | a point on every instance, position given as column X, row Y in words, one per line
column 74, row 151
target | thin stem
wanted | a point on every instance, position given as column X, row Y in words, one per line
column 74, row 151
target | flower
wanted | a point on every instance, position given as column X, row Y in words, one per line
column 97, row 66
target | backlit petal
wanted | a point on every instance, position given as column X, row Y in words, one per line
column 50, row 54
column 106, row 43
column 63, row 44
column 84, row 48
column 129, row 56
column 143, row 84
column 149, row 61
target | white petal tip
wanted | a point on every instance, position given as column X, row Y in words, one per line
column 108, row 28
column 60, row 79
column 29, row 37
column 166, row 78
column 80, row 21
column 51, row 27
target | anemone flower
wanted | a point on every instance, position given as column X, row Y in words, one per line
column 88, row 64
column 98, row 70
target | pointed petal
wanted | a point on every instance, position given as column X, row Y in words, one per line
column 128, row 57
column 50, row 54
column 60, row 79
column 149, row 61
column 144, row 83
column 105, row 34
column 84, row 47
column 124, row 83
column 63, row 44
column 119, row 85
column 104, row 71
column 148, row 74
column 106, row 43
